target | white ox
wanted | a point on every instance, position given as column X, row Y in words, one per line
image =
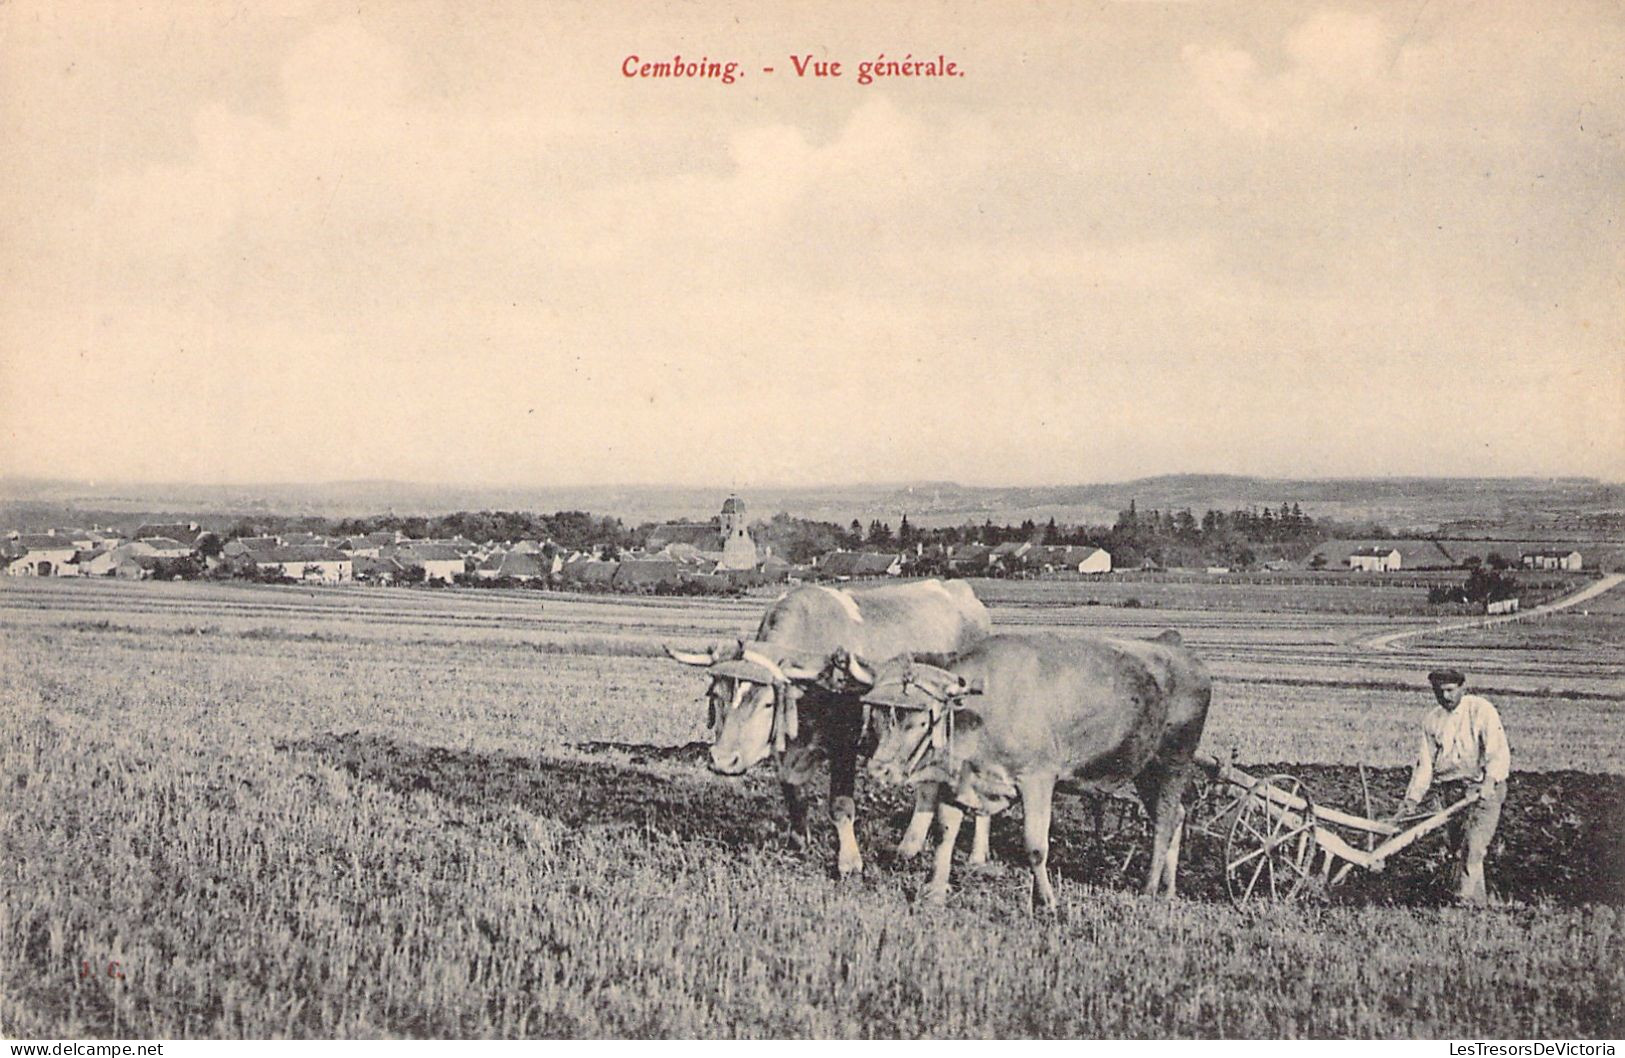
column 764, row 704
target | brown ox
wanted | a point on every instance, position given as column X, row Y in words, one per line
column 1016, row 714
column 764, row 703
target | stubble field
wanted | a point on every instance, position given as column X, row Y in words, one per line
column 353, row 812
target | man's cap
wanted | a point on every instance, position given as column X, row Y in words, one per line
column 1440, row 677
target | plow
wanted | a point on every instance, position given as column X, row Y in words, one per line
column 1279, row 843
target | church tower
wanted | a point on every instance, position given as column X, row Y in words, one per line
column 738, row 549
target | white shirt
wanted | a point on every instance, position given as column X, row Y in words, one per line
column 1466, row 742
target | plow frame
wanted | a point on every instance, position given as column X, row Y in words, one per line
column 1278, row 842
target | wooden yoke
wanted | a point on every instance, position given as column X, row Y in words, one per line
column 917, row 687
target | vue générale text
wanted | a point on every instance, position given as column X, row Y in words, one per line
column 807, row 67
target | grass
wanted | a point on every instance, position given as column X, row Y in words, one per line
column 341, row 813
column 1327, row 592
column 258, row 896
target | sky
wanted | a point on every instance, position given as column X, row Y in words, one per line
column 451, row 242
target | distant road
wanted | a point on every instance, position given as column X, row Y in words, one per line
column 1387, row 640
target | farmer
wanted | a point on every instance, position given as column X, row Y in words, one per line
column 1462, row 745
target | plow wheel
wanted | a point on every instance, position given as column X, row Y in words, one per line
column 1270, row 852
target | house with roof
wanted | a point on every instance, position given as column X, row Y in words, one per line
column 648, row 575
column 687, row 554
column 101, row 563
column 86, row 539
column 160, row 547
column 968, row 559
column 239, row 554
column 775, row 568
column 1072, row 559
column 186, row 532
column 704, row 536
column 1552, row 558
column 307, row 562
column 243, row 544
column 1011, row 555
column 513, row 565
column 589, row 574
column 1591, row 554
column 1375, row 559
column 1413, row 555
column 438, row 561
column 40, row 555
column 366, row 545
column 134, row 567
column 376, row 570
column 845, row 565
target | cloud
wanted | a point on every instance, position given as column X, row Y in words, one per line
column 1332, row 62
column 375, row 248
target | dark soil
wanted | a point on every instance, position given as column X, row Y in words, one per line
column 1561, row 838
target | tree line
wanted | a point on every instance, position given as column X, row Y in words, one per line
column 1169, row 538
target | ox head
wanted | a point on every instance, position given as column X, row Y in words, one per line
column 913, row 706
column 752, row 700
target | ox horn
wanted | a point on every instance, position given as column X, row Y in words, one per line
column 860, row 672
column 799, row 673
column 757, row 658
column 687, row 657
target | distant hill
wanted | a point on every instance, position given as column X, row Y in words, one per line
column 1545, row 505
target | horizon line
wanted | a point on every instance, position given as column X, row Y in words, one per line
column 426, row 483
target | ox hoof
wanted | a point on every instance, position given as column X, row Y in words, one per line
column 987, row 869
column 909, row 849
column 849, row 868
column 934, row 895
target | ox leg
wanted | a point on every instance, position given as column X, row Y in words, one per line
column 1037, row 798
column 843, row 767
column 1171, row 865
column 919, row 824
column 978, row 847
column 1160, row 789
column 795, row 799
column 949, row 816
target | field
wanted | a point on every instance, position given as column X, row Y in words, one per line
column 347, row 812
column 1327, row 592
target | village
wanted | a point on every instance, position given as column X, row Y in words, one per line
column 716, row 556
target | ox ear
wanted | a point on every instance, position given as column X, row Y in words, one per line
column 688, row 657
column 963, row 705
